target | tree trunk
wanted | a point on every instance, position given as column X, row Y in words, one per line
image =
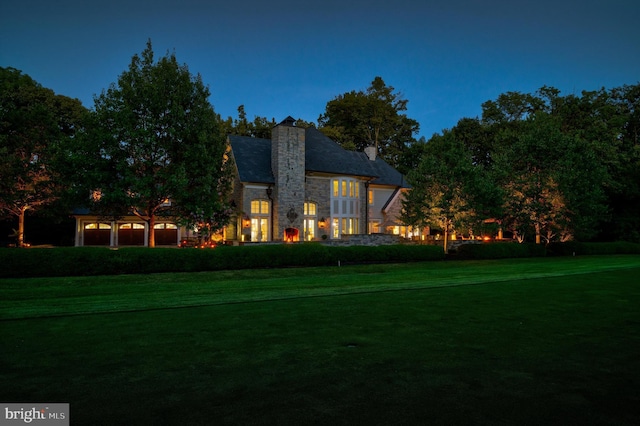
column 21, row 227
column 152, row 231
column 446, row 237
column 538, row 239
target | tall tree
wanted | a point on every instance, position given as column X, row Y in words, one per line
column 34, row 123
column 260, row 127
column 552, row 181
column 158, row 149
column 358, row 119
column 448, row 190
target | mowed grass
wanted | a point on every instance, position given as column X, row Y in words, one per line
column 528, row 341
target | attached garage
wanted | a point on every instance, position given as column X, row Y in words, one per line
column 97, row 234
column 166, row 234
column 131, row 234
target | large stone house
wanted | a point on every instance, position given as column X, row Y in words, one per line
column 297, row 186
column 300, row 185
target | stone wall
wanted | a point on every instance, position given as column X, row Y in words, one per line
column 288, row 165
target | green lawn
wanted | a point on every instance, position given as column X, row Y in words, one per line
column 510, row 342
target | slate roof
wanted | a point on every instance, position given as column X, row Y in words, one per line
column 253, row 158
column 322, row 155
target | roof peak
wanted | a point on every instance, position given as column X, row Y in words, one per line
column 289, row 122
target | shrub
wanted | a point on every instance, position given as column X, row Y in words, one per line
column 574, row 248
column 499, row 251
column 69, row 261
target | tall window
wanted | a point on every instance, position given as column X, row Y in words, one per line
column 310, row 221
column 259, row 220
column 345, row 207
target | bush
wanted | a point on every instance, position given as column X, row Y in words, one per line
column 70, row 261
column 499, row 250
column 574, row 248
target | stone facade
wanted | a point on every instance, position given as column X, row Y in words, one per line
column 288, row 165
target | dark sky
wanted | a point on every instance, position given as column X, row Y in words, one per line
column 285, row 57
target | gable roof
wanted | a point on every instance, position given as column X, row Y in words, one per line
column 253, row 158
column 322, row 155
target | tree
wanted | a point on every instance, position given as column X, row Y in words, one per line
column 260, row 127
column 157, row 149
column 448, row 191
column 552, row 181
column 358, row 119
column 34, row 123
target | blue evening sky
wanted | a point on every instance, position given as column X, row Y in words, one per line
column 286, row 57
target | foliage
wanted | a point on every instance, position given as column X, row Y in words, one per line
column 550, row 179
column 358, row 119
column 34, row 124
column 156, row 148
column 65, row 261
column 449, row 191
column 577, row 248
column 568, row 165
column 260, row 127
column 499, row 250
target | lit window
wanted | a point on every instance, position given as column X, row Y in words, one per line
column 310, row 221
column 310, row 209
column 131, row 226
column 97, row 226
column 165, row 226
column 259, row 207
column 259, row 220
column 345, row 208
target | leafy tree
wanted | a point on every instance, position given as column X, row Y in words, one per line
column 34, row 123
column 449, row 191
column 358, row 119
column 260, row 127
column 551, row 181
column 157, row 147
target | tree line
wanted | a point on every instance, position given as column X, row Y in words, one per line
column 540, row 166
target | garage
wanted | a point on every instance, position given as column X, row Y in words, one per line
column 131, row 234
column 97, row 234
column 166, row 234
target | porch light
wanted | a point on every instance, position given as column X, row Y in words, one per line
column 246, row 222
column 322, row 223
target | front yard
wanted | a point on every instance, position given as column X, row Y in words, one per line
column 530, row 341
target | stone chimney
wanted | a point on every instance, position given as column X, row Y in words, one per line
column 288, row 166
column 371, row 152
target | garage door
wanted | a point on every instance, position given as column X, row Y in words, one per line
column 131, row 234
column 97, row 234
column 166, row 234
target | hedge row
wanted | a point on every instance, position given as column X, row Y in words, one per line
column 513, row 250
column 70, row 261
column 499, row 251
column 574, row 248
column 86, row 261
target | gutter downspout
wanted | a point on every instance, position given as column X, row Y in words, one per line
column 269, row 196
column 366, row 207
